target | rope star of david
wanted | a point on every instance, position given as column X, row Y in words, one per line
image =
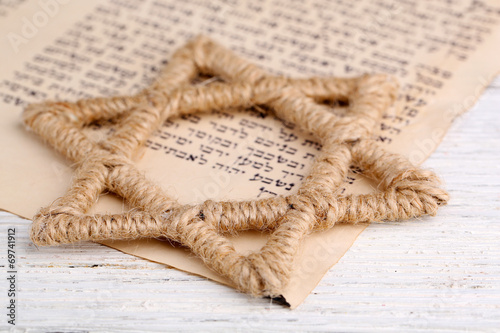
column 405, row 191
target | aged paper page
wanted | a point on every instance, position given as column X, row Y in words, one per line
column 7, row 7
column 443, row 53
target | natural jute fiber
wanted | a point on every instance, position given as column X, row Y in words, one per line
column 405, row 191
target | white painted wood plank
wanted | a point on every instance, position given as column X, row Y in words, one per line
column 440, row 274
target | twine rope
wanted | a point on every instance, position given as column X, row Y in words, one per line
column 405, row 191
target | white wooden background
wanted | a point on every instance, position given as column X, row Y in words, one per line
column 438, row 274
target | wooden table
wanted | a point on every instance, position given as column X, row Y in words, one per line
column 436, row 274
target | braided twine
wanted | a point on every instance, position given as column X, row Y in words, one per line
column 405, row 191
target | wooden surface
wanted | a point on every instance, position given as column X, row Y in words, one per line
column 436, row 274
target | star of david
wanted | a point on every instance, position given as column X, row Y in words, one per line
column 405, row 191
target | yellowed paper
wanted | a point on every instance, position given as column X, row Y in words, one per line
column 442, row 53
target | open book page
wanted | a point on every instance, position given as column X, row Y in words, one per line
column 442, row 53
